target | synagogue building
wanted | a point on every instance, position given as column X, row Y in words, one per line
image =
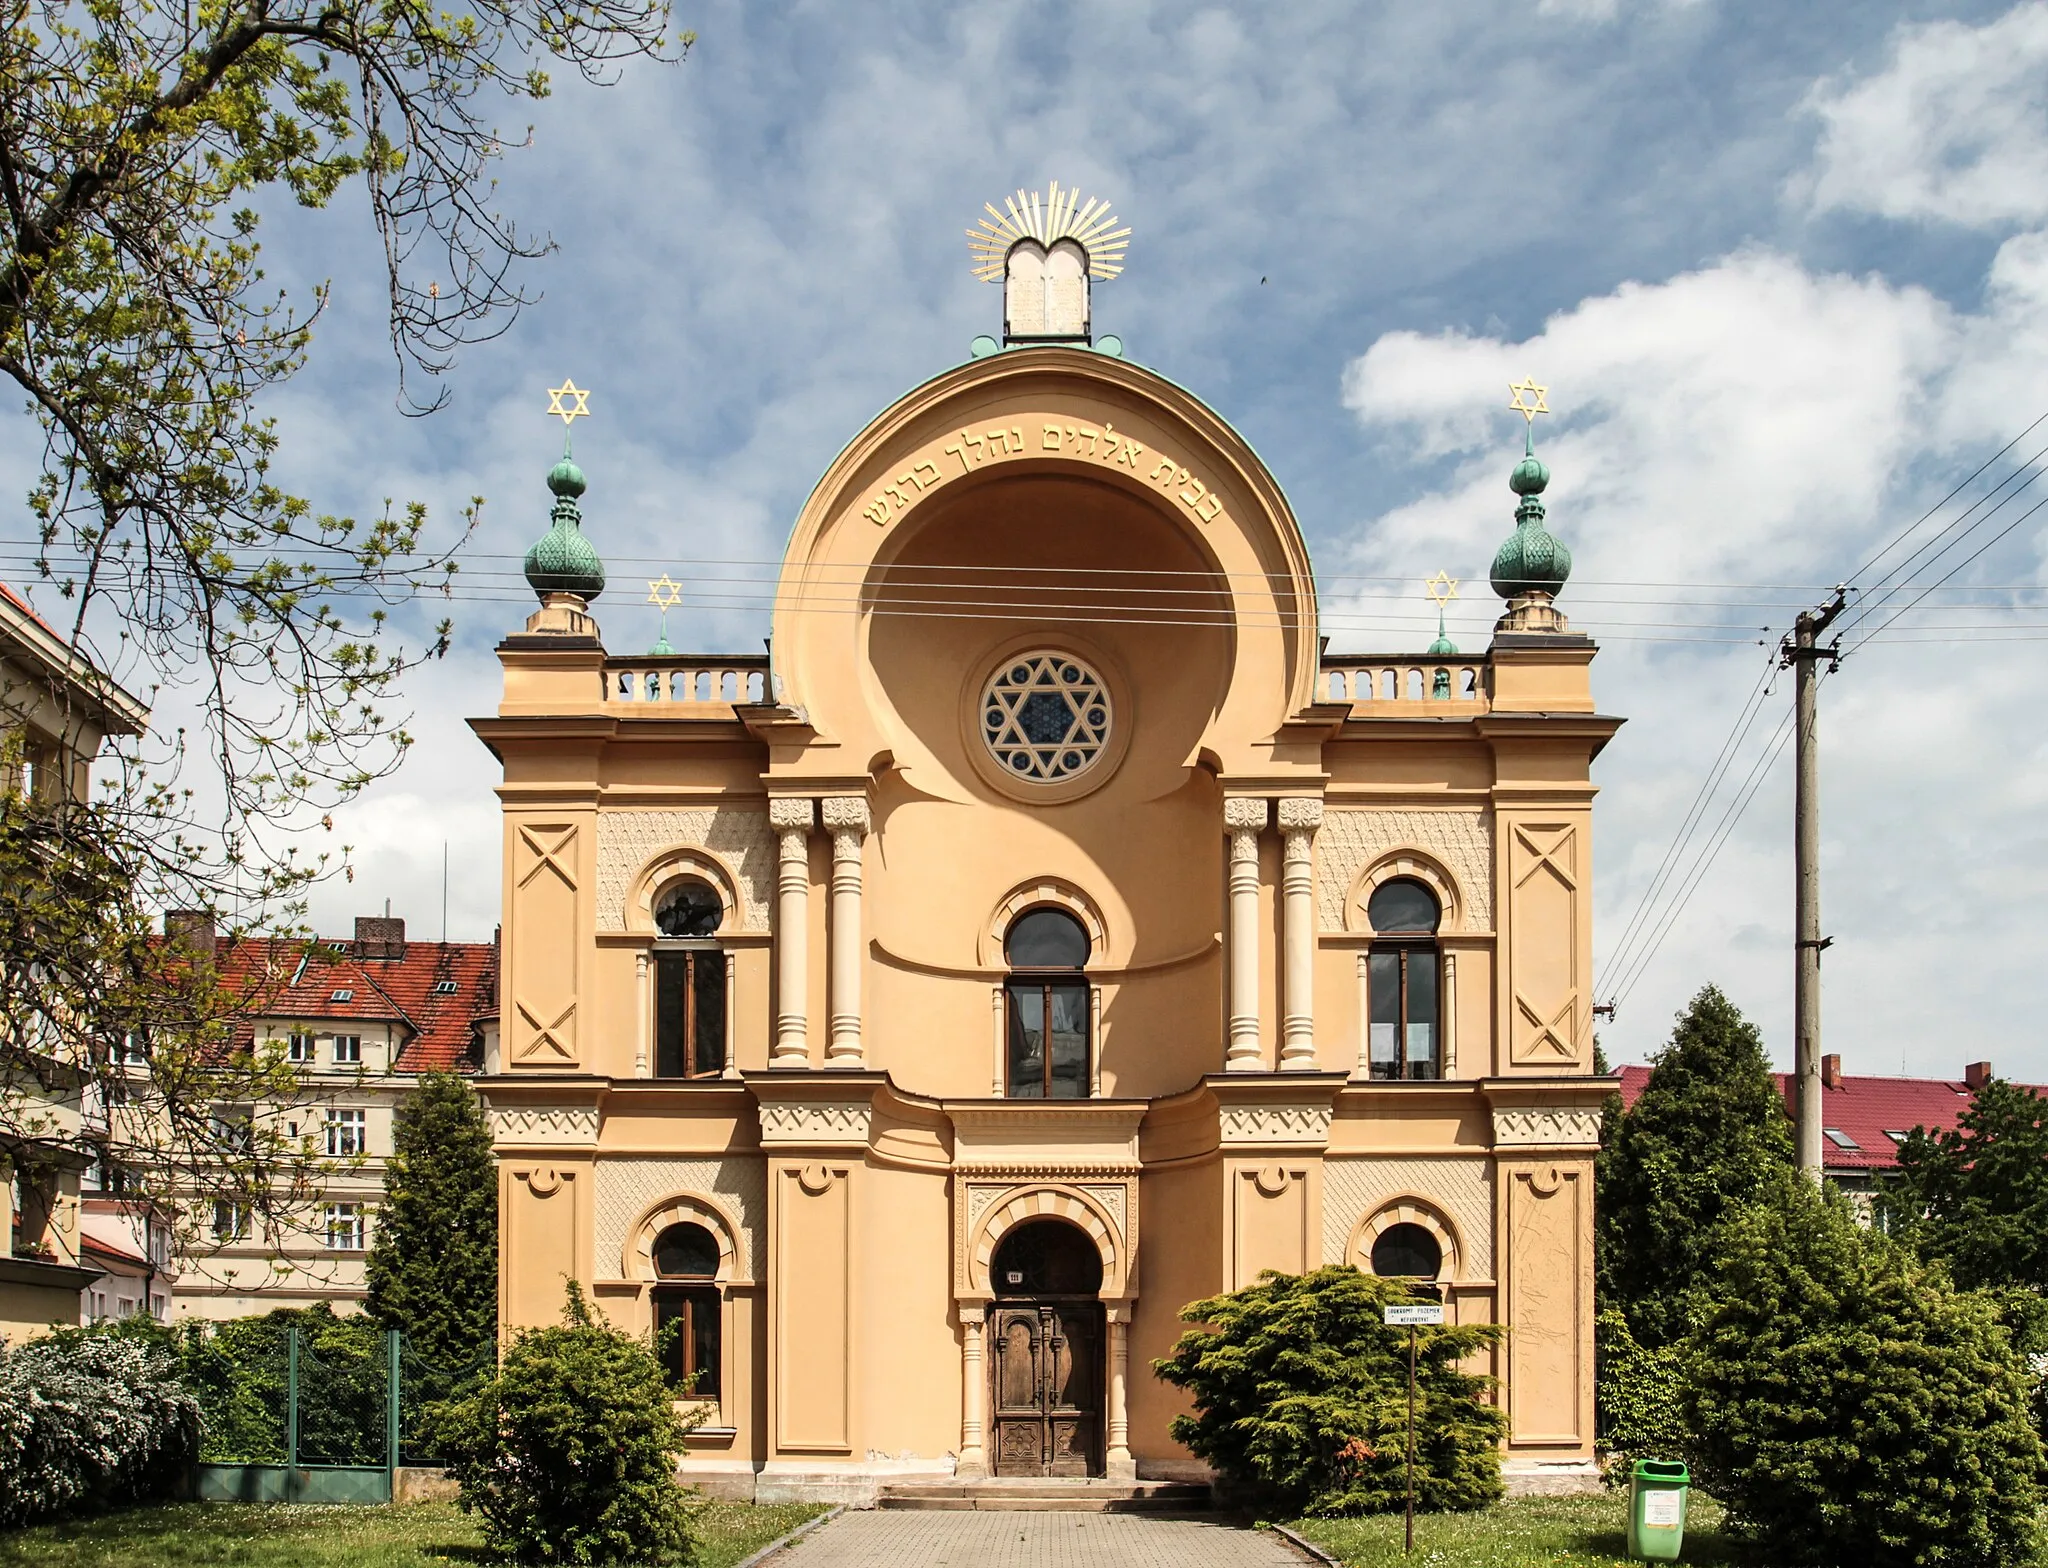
column 1045, row 934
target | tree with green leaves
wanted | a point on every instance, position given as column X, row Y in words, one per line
column 1301, row 1397
column 142, row 332
column 1976, row 1195
column 1848, row 1405
column 569, row 1454
column 433, row 1264
column 1707, row 1136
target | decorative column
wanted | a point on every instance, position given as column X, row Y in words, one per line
column 973, row 1396
column 847, row 818
column 1118, row 1461
column 640, row 1035
column 1095, row 1040
column 732, row 1058
column 997, row 1075
column 1300, row 816
column 1364, row 1067
column 1244, row 818
column 1447, row 1049
column 790, row 816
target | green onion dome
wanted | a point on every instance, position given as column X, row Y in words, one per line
column 1533, row 558
column 562, row 560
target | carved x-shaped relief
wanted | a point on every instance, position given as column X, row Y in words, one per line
column 552, row 1037
column 1547, row 848
column 548, row 856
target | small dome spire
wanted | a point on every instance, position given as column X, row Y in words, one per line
column 1532, row 565
column 1443, row 647
column 562, row 560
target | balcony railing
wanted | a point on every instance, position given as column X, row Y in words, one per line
column 1391, row 684
column 681, row 683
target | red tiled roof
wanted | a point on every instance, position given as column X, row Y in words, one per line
column 106, row 1249
column 27, row 609
column 326, row 982
column 1865, row 1110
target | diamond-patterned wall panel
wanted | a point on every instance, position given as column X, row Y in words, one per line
column 739, row 835
column 1460, row 1185
column 629, row 1185
column 1351, row 840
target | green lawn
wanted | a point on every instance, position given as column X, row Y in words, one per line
column 1524, row 1532
column 199, row 1535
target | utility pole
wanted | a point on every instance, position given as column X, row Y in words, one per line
column 1802, row 651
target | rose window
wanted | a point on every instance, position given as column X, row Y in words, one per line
column 1045, row 716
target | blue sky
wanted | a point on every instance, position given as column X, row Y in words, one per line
column 1784, row 268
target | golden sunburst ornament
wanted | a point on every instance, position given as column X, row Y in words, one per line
column 1057, row 215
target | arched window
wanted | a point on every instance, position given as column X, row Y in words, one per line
column 1407, row 1251
column 1404, row 973
column 687, row 1316
column 689, row 982
column 1047, row 1003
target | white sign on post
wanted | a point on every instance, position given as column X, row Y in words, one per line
column 1426, row 1312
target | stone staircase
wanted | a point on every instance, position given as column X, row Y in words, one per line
column 1079, row 1495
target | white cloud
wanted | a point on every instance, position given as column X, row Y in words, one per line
column 1754, row 422
column 1954, row 128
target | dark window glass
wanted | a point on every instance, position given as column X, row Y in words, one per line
column 686, row 1251
column 1405, row 1010
column 689, row 909
column 689, row 1013
column 1402, row 905
column 1048, row 1064
column 1046, row 1258
column 1046, row 939
column 686, row 1336
column 1407, row 1251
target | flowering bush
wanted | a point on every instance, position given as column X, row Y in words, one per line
column 91, row 1418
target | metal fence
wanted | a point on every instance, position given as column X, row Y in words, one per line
column 334, row 1423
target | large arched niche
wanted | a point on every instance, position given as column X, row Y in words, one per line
column 1029, row 560
column 1044, row 427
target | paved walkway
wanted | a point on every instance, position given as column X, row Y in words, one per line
column 889, row 1538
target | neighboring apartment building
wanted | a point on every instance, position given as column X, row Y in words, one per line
column 361, row 1018
column 56, row 711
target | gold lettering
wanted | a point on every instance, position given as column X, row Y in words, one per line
column 1192, row 496
column 1166, row 467
column 977, row 443
column 1131, row 453
column 877, row 514
column 1051, row 439
column 1213, row 500
column 961, row 455
column 926, row 483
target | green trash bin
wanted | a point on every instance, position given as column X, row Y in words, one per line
column 1658, row 1489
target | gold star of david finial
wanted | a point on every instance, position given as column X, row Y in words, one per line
column 1535, row 405
column 578, row 409
column 663, row 593
column 1441, row 589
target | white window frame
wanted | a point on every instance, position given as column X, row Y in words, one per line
column 299, row 1046
column 348, row 1133
column 237, row 1217
column 347, row 1228
column 348, row 1050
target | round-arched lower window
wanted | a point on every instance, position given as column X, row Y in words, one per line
column 1045, row 716
column 690, row 908
column 686, row 1251
column 1407, row 1251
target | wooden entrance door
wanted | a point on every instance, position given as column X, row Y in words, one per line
column 1046, row 1387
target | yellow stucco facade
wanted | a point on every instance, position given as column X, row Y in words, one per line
column 857, row 1148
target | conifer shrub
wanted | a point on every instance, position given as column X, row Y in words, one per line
column 1301, row 1398
column 90, row 1419
column 1848, row 1405
column 568, row 1455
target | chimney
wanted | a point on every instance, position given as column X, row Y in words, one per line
column 379, row 936
column 192, row 928
column 1831, row 1072
column 1977, row 1074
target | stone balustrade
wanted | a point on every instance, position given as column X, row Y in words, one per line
column 1396, row 684
column 687, row 680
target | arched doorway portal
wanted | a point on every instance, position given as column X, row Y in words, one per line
column 1046, row 1373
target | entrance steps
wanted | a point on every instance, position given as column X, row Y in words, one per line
column 1050, row 1495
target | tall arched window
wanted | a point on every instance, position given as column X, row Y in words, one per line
column 1405, row 977
column 1047, row 1003
column 689, row 982
column 687, row 1319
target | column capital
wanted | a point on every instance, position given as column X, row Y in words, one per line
column 1301, row 813
column 790, row 811
column 1244, row 811
column 846, row 813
